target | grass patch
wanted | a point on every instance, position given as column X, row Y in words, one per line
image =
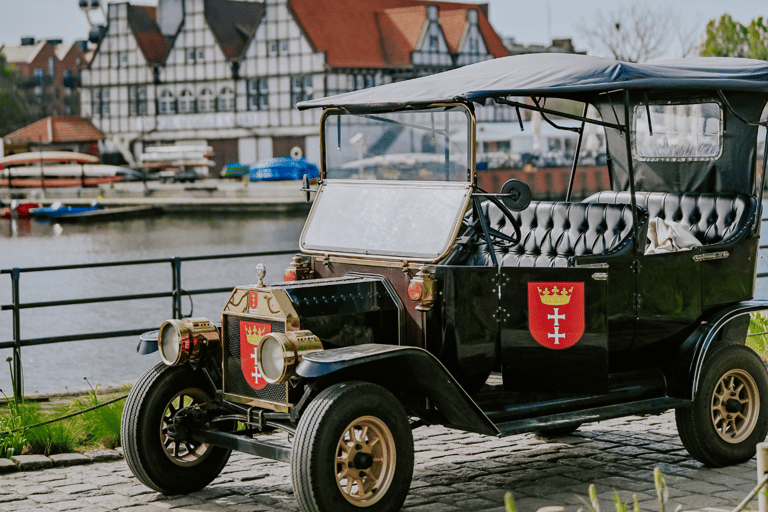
column 96, row 429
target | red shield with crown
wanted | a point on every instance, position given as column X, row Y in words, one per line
column 250, row 337
column 556, row 313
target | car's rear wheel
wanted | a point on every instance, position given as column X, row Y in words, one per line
column 353, row 451
column 158, row 461
column 729, row 414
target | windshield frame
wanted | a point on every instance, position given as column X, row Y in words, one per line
column 471, row 177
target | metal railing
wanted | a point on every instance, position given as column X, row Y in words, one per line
column 176, row 293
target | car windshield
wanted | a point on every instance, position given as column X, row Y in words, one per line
column 426, row 145
column 396, row 184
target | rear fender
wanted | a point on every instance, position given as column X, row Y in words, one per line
column 726, row 325
column 402, row 369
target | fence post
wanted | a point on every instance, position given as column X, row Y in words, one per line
column 17, row 378
column 176, row 276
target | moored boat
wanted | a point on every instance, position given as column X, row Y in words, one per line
column 56, row 169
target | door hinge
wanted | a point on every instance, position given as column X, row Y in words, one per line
column 636, row 266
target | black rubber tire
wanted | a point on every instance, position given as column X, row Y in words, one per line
column 314, row 467
column 696, row 424
column 558, row 431
column 141, row 432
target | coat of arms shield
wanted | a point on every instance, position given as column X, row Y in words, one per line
column 556, row 313
column 250, row 337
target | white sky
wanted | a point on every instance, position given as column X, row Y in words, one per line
column 528, row 21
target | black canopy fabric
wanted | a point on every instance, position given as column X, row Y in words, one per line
column 555, row 74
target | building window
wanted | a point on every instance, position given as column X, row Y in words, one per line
column 258, row 94
column 226, row 100
column 301, row 89
column 50, row 66
column 206, row 102
column 474, row 47
column 434, row 43
column 38, row 74
column 100, row 101
column 137, row 100
column 200, row 55
column 186, row 102
column 124, row 59
column 195, row 55
column 275, row 48
column 167, row 103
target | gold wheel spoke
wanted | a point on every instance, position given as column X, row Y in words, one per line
column 349, row 485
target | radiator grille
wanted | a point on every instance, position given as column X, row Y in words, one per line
column 234, row 381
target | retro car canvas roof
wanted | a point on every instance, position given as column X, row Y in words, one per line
column 553, row 74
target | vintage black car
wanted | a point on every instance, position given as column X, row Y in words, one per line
column 413, row 286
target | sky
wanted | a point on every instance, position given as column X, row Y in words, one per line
column 527, row 21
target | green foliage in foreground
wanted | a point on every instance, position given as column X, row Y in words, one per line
column 757, row 337
column 99, row 428
column 593, row 504
column 727, row 37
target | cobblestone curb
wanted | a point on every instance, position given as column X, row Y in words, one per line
column 37, row 462
column 454, row 472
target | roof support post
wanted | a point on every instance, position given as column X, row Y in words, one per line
column 576, row 155
column 630, row 169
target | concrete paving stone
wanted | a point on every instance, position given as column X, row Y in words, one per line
column 132, row 489
column 66, row 504
column 77, row 488
column 50, row 497
column 476, row 504
column 531, row 503
column 629, row 451
column 7, row 466
column 204, row 507
column 699, row 487
column 143, row 508
column 103, row 455
column 434, row 507
column 434, row 490
column 622, row 483
column 6, row 498
column 69, row 459
column 701, row 501
column 211, row 493
column 32, row 462
column 113, row 501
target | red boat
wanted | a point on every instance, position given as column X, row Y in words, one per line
column 22, row 210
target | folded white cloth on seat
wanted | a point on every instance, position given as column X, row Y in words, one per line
column 664, row 236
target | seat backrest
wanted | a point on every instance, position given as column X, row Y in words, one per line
column 712, row 218
column 553, row 233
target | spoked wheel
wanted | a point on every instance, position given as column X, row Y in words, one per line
column 365, row 461
column 353, row 450
column 183, row 453
column 158, row 461
column 729, row 415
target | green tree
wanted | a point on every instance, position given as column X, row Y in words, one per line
column 15, row 110
column 727, row 37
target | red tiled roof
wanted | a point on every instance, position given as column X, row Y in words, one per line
column 400, row 30
column 57, row 129
column 143, row 22
column 376, row 33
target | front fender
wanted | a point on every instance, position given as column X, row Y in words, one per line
column 689, row 358
column 407, row 369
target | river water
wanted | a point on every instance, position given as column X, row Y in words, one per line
column 63, row 366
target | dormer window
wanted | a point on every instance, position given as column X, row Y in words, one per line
column 434, row 43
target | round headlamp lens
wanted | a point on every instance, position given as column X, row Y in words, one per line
column 272, row 359
column 169, row 343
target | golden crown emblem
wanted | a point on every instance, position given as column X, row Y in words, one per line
column 557, row 297
column 254, row 334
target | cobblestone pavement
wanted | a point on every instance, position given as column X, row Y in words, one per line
column 454, row 471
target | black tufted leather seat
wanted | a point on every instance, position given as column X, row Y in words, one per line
column 553, row 233
column 712, row 218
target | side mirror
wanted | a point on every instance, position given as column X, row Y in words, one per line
column 516, row 195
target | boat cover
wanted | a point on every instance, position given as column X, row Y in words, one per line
column 555, row 74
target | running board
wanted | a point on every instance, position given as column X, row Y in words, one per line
column 650, row 406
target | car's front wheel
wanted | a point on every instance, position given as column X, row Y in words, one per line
column 729, row 414
column 353, row 451
column 160, row 462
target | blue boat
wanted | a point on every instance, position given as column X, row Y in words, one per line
column 58, row 210
column 283, row 168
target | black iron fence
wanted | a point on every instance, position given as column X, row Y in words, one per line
column 176, row 293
